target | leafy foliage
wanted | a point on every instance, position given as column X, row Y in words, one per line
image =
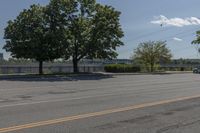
column 151, row 53
column 197, row 40
column 119, row 68
column 28, row 36
column 70, row 29
column 95, row 32
column 32, row 36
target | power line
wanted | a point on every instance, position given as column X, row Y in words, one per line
column 170, row 37
column 183, row 32
column 148, row 34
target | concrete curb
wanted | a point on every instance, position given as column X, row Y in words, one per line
column 26, row 76
column 157, row 73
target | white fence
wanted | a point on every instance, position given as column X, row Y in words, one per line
column 11, row 69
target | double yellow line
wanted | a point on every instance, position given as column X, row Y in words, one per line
column 95, row 114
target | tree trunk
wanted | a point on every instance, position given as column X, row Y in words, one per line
column 152, row 68
column 40, row 67
column 75, row 65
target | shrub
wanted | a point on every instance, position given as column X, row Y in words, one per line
column 118, row 68
column 175, row 68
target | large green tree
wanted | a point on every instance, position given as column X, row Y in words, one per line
column 92, row 30
column 34, row 35
column 151, row 53
column 71, row 29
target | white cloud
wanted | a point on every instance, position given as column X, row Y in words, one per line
column 177, row 39
column 178, row 22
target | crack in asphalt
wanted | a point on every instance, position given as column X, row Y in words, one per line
column 141, row 119
column 153, row 117
column 176, row 126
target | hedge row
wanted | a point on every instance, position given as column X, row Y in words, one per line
column 125, row 68
column 118, row 68
column 176, row 68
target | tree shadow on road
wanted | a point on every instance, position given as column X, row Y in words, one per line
column 55, row 78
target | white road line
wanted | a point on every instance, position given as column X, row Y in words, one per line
column 58, row 100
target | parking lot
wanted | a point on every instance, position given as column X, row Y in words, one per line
column 109, row 103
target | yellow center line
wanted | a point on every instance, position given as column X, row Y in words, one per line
column 94, row 114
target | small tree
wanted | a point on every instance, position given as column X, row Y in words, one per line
column 32, row 36
column 151, row 53
column 197, row 40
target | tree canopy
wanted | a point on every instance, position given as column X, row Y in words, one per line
column 151, row 53
column 92, row 30
column 197, row 40
column 70, row 29
column 32, row 36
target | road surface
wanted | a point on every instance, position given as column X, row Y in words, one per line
column 168, row 103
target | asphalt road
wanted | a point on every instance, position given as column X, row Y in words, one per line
column 101, row 104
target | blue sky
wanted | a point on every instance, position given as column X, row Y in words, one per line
column 141, row 21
